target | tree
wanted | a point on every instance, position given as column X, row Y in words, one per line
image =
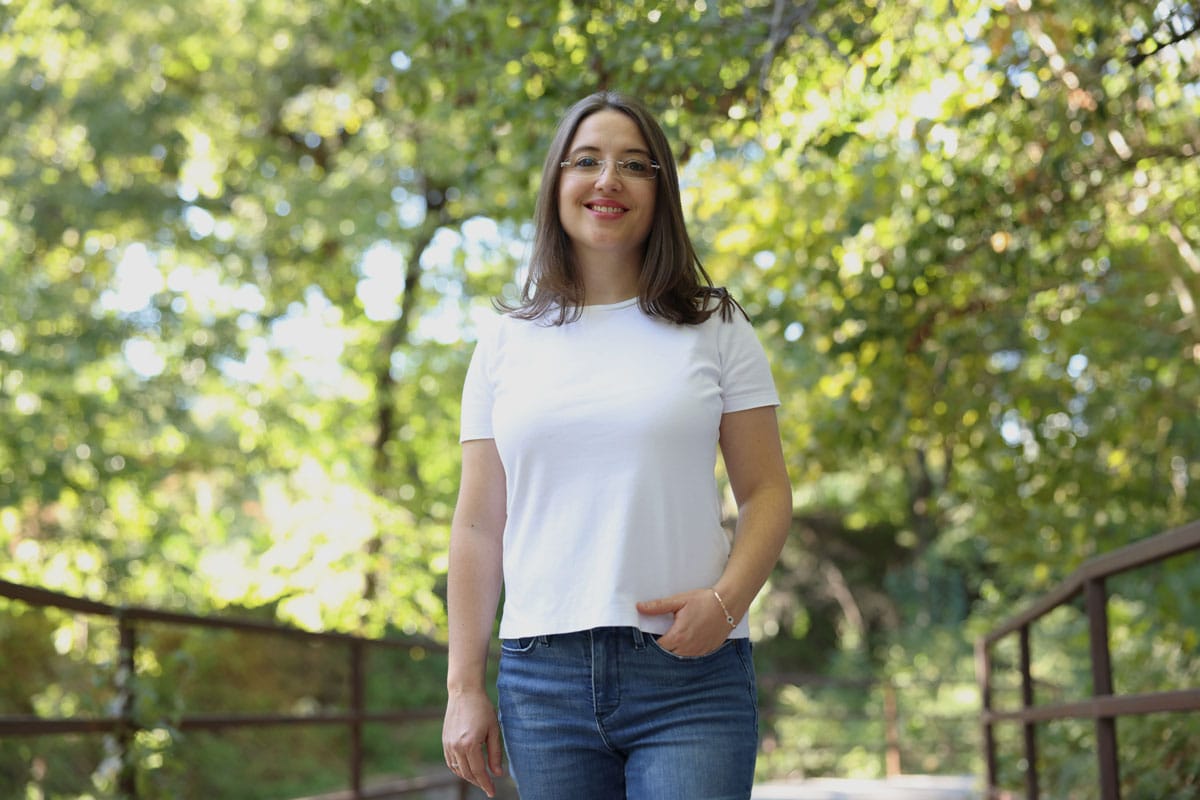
column 246, row 248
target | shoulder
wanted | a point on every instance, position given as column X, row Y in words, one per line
column 502, row 322
column 501, row 332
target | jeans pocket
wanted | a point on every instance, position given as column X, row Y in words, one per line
column 702, row 657
column 516, row 647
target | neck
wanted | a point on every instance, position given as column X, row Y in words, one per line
column 608, row 280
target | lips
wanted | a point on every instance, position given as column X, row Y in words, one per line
column 606, row 207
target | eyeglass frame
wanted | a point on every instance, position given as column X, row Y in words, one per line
column 618, row 166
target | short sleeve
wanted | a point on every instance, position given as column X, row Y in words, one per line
column 746, row 380
column 478, row 395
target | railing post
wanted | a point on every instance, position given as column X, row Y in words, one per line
column 1031, row 770
column 983, row 671
column 891, row 724
column 357, row 709
column 1102, row 685
column 126, row 684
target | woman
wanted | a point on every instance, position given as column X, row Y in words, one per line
column 591, row 421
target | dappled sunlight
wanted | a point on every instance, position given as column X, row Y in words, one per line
column 247, row 249
column 319, row 528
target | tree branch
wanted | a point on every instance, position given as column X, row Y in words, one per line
column 1138, row 55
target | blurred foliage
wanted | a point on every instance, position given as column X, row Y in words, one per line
column 246, row 246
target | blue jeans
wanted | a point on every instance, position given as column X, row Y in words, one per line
column 607, row 714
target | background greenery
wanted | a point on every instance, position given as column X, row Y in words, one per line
column 246, row 247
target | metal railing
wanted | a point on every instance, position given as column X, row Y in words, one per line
column 124, row 725
column 890, row 707
column 1104, row 706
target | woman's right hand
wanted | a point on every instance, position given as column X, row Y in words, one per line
column 471, row 739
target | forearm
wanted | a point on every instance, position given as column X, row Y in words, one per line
column 697, row 628
column 475, row 577
column 471, row 731
column 762, row 528
column 473, row 593
column 757, row 474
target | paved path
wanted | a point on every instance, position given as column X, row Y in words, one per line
column 906, row 787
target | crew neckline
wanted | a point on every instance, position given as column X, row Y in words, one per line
column 612, row 306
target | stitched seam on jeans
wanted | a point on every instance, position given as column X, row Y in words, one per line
column 747, row 662
column 517, row 651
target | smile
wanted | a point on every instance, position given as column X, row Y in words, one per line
column 607, row 209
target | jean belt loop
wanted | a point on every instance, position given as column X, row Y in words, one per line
column 639, row 639
column 544, row 641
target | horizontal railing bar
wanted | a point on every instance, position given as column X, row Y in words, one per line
column 255, row 626
column 1109, row 706
column 804, row 679
column 1147, row 551
column 230, row 623
column 40, row 726
column 840, row 746
column 45, row 598
column 1156, row 548
column 1060, row 595
column 812, row 680
column 875, row 719
column 196, row 722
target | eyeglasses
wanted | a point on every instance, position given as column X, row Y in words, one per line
column 590, row 167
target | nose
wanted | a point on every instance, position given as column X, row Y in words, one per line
column 608, row 176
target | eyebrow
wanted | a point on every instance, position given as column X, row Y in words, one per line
column 588, row 148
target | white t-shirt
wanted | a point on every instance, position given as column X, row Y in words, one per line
column 607, row 428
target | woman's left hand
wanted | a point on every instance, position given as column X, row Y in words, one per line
column 699, row 627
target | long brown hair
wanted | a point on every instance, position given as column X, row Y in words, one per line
column 672, row 284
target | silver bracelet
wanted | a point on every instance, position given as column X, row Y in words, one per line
column 728, row 617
